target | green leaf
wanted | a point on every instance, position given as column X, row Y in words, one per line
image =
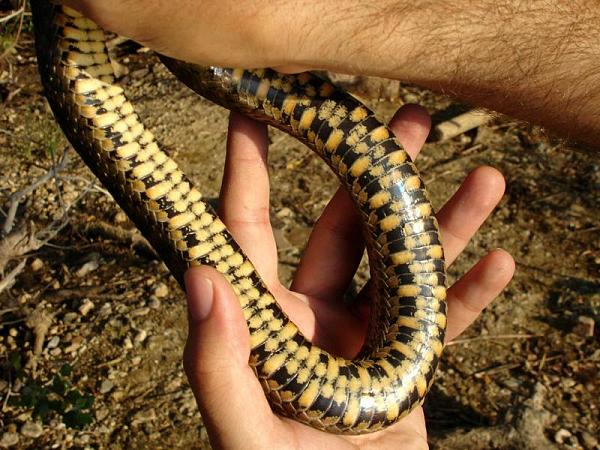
column 66, row 370
column 76, row 419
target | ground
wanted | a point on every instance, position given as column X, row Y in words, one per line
column 525, row 375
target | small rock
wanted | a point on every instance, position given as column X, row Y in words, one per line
column 154, row 302
column 562, row 435
column 140, row 337
column 161, row 291
column 70, row 317
column 86, row 306
column 101, row 414
column 120, row 217
column 127, row 344
column 106, row 386
column 32, row 430
column 284, row 212
column 37, row 264
column 140, row 312
column 9, row 439
column 136, row 360
column 105, row 310
column 13, row 332
column 87, row 268
column 56, row 351
column 143, row 416
column 588, row 440
column 585, row 326
column 53, row 343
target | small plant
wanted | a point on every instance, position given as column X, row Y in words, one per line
column 58, row 396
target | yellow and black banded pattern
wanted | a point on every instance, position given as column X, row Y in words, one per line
column 406, row 333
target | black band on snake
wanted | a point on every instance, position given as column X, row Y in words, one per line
column 406, row 331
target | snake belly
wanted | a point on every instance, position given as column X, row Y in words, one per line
column 394, row 370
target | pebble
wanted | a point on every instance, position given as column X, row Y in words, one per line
column 140, row 337
column 101, row 414
column 127, row 344
column 70, row 317
column 56, row 351
column 284, row 212
column 136, row 360
column 154, row 302
column 86, row 307
column 106, row 386
column 87, row 268
column 9, row 439
column 585, row 326
column 161, row 291
column 562, row 435
column 140, row 312
column 120, row 217
column 53, row 343
column 143, row 416
column 32, row 430
column 37, row 264
column 588, row 440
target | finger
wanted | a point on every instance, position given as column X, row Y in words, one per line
column 336, row 245
column 411, row 125
column 230, row 398
column 333, row 252
column 463, row 214
column 476, row 289
column 244, row 199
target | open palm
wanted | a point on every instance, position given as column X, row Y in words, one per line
column 233, row 406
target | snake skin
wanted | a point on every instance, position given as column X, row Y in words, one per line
column 406, row 333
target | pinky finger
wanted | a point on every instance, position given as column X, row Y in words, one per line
column 476, row 290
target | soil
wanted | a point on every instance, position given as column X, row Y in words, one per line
column 525, row 375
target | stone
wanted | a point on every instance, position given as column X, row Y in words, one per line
column 120, row 217
column 140, row 336
column 37, row 264
column 161, row 291
column 585, row 326
column 86, row 306
column 87, row 268
column 154, row 302
column 32, row 430
column 562, row 435
column 53, row 343
column 588, row 440
column 9, row 439
column 106, row 386
column 143, row 416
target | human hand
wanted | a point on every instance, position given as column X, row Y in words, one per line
column 231, row 401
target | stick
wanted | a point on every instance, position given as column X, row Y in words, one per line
column 15, row 198
column 459, row 125
column 486, row 338
column 9, row 279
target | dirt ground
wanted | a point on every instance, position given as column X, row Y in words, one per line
column 525, row 375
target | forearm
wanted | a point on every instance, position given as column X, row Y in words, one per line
column 532, row 60
column 536, row 60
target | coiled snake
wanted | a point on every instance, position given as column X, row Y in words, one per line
column 406, row 331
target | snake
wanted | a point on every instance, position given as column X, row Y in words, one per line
column 392, row 373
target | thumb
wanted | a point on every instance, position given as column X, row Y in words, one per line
column 216, row 355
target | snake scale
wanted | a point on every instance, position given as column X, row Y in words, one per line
column 406, row 331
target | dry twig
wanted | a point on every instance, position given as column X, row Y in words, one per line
column 15, row 198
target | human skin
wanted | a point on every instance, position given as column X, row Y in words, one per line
column 535, row 60
column 231, row 401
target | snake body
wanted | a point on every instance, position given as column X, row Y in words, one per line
column 405, row 339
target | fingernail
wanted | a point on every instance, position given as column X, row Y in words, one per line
column 199, row 296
